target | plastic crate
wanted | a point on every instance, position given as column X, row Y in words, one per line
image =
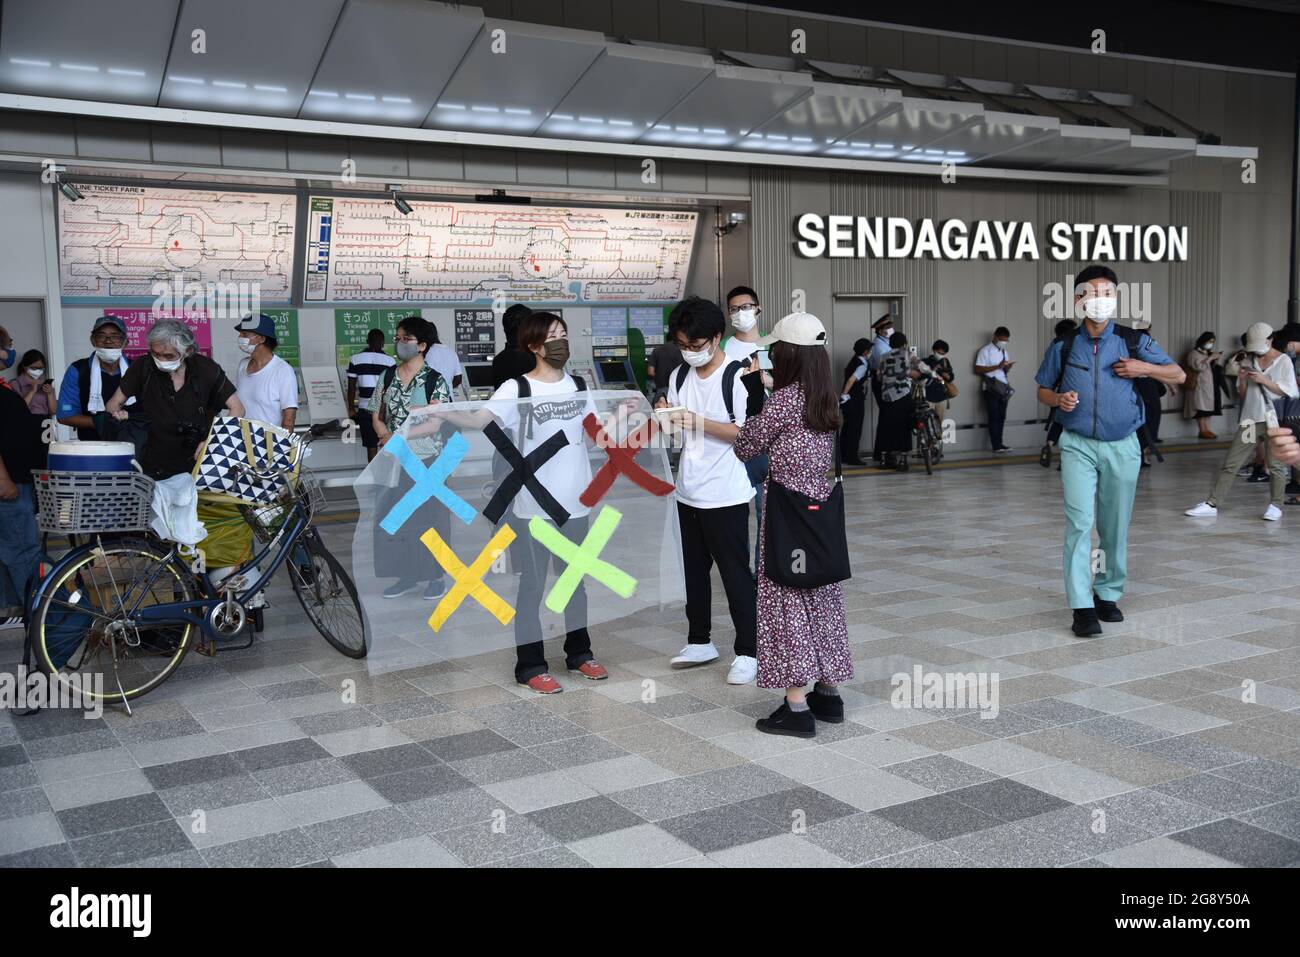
column 84, row 503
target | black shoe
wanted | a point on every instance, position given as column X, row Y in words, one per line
column 856, row 463
column 826, row 707
column 1086, row 624
column 1146, row 464
column 1106, row 610
column 796, row 724
column 1293, row 488
column 1259, row 475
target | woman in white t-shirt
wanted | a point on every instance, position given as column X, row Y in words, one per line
column 561, row 404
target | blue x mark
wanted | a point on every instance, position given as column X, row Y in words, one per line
column 430, row 482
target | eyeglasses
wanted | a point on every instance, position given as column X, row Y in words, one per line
column 732, row 310
column 405, row 339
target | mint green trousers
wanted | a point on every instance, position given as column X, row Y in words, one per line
column 1100, row 479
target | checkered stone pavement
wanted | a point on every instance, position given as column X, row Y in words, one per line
column 1139, row 748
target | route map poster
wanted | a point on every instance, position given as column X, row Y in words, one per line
column 117, row 242
column 362, row 250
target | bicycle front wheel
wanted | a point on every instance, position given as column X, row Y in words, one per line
column 327, row 595
column 80, row 626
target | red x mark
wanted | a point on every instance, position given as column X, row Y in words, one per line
column 622, row 458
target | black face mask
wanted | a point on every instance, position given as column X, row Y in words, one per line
column 556, row 352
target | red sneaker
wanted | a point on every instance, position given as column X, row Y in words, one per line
column 592, row 670
column 543, row 684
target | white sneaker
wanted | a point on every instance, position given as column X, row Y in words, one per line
column 1272, row 514
column 1202, row 510
column 743, row 670
column 693, row 655
column 1245, row 471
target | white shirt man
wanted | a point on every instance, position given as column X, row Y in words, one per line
column 713, row 490
column 444, row 359
column 265, row 383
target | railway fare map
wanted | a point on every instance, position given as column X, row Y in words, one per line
column 118, row 241
column 364, row 250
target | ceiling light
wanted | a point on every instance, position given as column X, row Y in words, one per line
column 79, row 67
column 119, row 71
column 185, row 79
column 21, row 61
column 265, row 88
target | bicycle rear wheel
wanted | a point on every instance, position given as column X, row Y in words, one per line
column 79, row 628
column 327, row 595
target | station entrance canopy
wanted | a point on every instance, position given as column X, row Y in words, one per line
column 417, row 71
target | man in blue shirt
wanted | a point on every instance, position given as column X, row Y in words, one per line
column 1090, row 379
column 91, row 381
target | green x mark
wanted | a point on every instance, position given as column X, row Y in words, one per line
column 583, row 559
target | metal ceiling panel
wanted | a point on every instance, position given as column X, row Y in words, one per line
column 265, row 71
column 723, row 109
column 70, row 48
column 388, row 59
column 512, row 77
column 832, row 114
column 626, row 90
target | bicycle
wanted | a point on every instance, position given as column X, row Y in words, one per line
column 128, row 604
column 926, row 427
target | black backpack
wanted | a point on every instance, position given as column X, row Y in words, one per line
column 1132, row 337
column 728, row 384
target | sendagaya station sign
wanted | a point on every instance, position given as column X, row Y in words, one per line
column 895, row 237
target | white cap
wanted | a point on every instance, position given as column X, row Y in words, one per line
column 1257, row 338
column 798, row 329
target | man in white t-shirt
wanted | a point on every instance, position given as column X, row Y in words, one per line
column 713, row 489
column 443, row 358
column 1266, row 375
column 265, row 383
column 992, row 363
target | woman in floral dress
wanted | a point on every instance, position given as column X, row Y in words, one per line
column 802, row 634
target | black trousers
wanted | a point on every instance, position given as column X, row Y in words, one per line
column 876, row 394
column 719, row 535
column 851, row 433
column 996, row 407
column 534, row 558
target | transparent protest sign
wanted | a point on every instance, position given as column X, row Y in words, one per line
column 532, row 518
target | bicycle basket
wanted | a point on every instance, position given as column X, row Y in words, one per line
column 84, row 503
column 266, row 520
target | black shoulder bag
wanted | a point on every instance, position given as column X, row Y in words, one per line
column 805, row 543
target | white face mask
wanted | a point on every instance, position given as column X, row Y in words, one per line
column 697, row 359
column 1002, row 344
column 1208, row 347
column 887, row 332
column 167, row 366
column 1100, row 308
column 109, row 355
column 246, row 346
column 745, row 320
column 36, row 373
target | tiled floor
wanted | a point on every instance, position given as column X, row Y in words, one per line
column 1133, row 749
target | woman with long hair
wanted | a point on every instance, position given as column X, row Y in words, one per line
column 802, row 634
